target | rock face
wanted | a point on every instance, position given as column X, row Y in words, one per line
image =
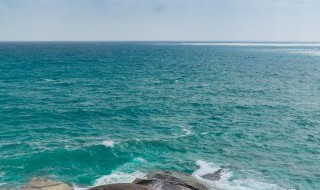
column 120, row 186
column 45, row 184
column 165, row 180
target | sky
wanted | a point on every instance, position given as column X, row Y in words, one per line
column 160, row 20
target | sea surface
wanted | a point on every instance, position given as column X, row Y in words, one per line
column 91, row 113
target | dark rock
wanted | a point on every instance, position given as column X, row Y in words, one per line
column 216, row 176
column 165, row 180
column 120, row 186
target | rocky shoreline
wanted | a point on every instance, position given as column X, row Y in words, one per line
column 159, row 180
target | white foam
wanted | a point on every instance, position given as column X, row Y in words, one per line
column 75, row 187
column 308, row 52
column 187, row 131
column 119, row 177
column 2, row 184
column 228, row 181
column 254, row 44
column 109, row 143
column 205, row 168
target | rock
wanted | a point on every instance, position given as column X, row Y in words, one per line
column 166, row 180
column 45, row 184
column 120, row 186
column 216, row 176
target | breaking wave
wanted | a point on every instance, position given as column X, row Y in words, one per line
column 228, row 181
column 119, row 177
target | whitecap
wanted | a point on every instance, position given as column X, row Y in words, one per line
column 49, row 80
column 228, row 180
column 119, row 177
column 187, row 131
column 109, row 143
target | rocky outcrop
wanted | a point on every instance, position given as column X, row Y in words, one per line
column 120, row 186
column 45, row 184
column 216, row 176
column 165, row 180
column 160, row 180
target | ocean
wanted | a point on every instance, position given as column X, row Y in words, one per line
column 91, row 113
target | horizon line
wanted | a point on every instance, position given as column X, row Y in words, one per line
column 190, row 41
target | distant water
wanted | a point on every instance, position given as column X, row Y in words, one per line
column 97, row 113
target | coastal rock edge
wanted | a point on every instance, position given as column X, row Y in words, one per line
column 158, row 180
column 167, row 180
column 45, row 184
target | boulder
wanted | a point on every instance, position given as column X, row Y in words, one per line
column 45, row 184
column 167, row 180
column 216, row 176
column 120, row 186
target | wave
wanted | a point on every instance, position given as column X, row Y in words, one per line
column 119, row 177
column 125, row 173
column 254, row 44
column 49, row 80
column 186, row 131
column 228, row 180
column 109, row 143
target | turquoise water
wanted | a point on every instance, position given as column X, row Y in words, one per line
column 96, row 113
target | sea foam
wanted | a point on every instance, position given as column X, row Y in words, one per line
column 186, row 130
column 119, row 177
column 109, row 143
column 228, row 180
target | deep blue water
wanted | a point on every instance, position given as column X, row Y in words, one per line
column 96, row 112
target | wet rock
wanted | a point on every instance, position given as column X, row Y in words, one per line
column 45, row 184
column 120, row 186
column 216, row 176
column 166, row 180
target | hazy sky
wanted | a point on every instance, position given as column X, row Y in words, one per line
column 218, row 20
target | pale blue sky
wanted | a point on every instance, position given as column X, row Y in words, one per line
column 215, row 20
